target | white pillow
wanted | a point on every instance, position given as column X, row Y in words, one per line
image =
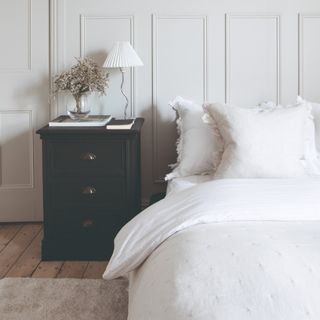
column 311, row 156
column 199, row 146
column 316, row 116
column 265, row 143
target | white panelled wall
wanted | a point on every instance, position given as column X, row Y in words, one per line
column 242, row 52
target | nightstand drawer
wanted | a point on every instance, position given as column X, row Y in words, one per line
column 84, row 237
column 84, row 223
column 105, row 193
column 98, row 158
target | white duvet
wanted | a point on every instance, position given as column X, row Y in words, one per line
column 225, row 250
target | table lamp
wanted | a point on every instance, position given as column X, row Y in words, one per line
column 122, row 55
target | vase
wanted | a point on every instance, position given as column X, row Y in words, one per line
column 80, row 109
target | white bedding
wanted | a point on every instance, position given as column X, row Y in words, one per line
column 178, row 184
column 226, row 250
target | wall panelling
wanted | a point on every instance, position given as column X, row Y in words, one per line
column 16, row 149
column 197, row 50
column 15, row 36
column 309, row 53
column 252, row 58
column 179, row 68
column 97, row 35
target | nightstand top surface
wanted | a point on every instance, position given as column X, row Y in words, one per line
column 46, row 130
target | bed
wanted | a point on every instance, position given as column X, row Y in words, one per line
column 226, row 248
column 205, row 253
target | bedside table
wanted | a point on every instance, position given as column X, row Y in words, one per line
column 91, row 188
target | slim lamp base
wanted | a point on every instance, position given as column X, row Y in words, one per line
column 122, row 91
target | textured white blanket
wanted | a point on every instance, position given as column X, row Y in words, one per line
column 247, row 249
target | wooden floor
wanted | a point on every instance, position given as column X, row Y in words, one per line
column 20, row 256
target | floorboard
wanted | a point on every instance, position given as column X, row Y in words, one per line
column 28, row 261
column 11, row 253
column 20, row 256
column 7, row 232
column 73, row 269
column 47, row 269
column 95, row 270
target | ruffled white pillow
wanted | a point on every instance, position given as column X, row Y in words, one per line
column 311, row 159
column 260, row 143
column 199, row 146
column 316, row 116
column 311, row 156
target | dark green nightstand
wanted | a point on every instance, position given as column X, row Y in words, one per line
column 91, row 188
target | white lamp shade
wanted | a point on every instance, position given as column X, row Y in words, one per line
column 122, row 55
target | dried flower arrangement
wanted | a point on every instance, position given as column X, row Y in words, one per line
column 86, row 76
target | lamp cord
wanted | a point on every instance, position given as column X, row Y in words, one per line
column 127, row 100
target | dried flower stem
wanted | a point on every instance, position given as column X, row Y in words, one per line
column 86, row 76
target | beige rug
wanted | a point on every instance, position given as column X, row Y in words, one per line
column 63, row 299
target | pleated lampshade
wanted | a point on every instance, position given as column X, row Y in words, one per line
column 122, row 55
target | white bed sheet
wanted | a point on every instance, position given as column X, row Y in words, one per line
column 225, row 249
column 178, row 184
column 237, row 271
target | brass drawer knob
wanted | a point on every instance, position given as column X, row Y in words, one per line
column 89, row 190
column 87, row 223
column 89, row 156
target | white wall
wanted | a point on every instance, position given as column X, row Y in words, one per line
column 242, row 52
